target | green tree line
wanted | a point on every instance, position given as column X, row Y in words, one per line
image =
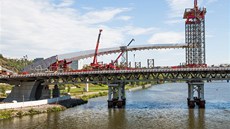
column 15, row 65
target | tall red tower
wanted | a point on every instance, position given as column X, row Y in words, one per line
column 195, row 36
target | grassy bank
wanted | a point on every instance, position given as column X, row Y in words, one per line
column 97, row 92
column 3, row 89
column 93, row 95
column 6, row 114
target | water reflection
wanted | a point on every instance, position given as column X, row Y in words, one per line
column 117, row 118
column 162, row 106
column 196, row 118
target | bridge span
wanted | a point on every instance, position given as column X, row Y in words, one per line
column 29, row 85
column 107, row 51
column 75, row 56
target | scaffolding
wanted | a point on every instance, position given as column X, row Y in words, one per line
column 195, row 36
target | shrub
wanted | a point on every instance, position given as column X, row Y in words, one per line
column 33, row 111
column 55, row 109
column 4, row 114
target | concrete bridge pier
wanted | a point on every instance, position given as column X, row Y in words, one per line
column 116, row 95
column 28, row 91
column 197, row 86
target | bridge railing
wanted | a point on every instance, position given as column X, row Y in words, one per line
column 180, row 74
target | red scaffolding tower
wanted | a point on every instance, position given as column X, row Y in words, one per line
column 195, row 36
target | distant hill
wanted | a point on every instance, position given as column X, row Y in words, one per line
column 15, row 65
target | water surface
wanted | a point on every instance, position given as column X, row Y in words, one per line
column 161, row 106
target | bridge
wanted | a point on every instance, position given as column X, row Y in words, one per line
column 76, row 56
column 195, row 73
column 28, row 85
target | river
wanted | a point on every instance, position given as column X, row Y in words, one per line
column 162, row 106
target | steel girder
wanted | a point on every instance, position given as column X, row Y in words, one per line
column 114, row 76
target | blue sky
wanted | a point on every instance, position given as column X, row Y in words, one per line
column 43, row 28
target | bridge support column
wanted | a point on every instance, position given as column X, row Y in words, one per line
column 116, row 95
column 87, row 86
column 198, row 87
column 26, row 91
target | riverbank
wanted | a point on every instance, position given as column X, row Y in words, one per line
column 45, row 108
column 59, row 106
column 19, row 112
column 140, row 87
column 88, row 95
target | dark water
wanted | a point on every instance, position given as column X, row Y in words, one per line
column 161, row 107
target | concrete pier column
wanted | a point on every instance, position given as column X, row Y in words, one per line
column 191, row 102
column 26, row 91
column 110, row 93
column 201, row 98
column 87, row 85
column 119, row 93
column 191, row 92
column 123, row 94
column 116, row 95
column 202, row 92
column 56, row 92
column 198, row 92
column 196, row 86
column 120, row 101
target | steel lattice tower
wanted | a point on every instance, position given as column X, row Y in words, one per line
column 195, row 36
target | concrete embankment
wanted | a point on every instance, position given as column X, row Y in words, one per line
column 42, row 106
column 33, row 103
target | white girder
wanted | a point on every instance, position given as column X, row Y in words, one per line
column 106, row 51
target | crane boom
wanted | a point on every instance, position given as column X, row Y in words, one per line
column 96, row 49
column 123, row 51
column 195, row 3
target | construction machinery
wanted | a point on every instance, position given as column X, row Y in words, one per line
column 112, row 65
column 95, row 65
column 60, row 65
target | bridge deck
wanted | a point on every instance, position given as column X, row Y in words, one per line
column 184, row 74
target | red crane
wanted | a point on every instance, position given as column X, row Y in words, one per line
column 95, row 63
column 112, row 64
column 123, row 51
column 195, row 4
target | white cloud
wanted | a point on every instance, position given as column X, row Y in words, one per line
column 167, row 37
column 65, row 3
column 177, row 7
column 139, row 30
column 42, row 29
column 101, row 16
column 124, row 18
